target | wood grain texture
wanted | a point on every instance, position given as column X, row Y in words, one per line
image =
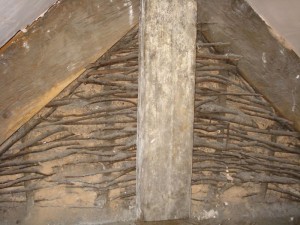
column 166, row 109
column 271, row 68
column 54, row 52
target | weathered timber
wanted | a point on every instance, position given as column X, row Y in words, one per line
column 233, row 137
column 267, row 64
column 54, row 51
column 166, row 109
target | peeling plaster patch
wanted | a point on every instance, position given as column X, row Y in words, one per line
column 130, row 12
column 293, row 94
column 264, row 57
column 191, row 5
column 3, row 62
column 211, row 214
column 294, row 102
column 25, row 45
column 42, row 15
column 228, row 176
column 71, row 66
column 138, row 212
column 24, row 30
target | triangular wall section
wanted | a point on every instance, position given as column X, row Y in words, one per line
column 79, row 151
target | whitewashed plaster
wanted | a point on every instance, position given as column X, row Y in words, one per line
column 15, row 15
column 283, row 16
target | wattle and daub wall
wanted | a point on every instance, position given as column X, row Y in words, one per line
column 79, row 151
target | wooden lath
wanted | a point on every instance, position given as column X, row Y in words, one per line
column 239, row 139
column 90, row 126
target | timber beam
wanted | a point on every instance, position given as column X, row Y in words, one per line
column 54, row 52
column 166, row 109
column 268, row 64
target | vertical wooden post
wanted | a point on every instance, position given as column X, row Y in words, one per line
column 166, row 108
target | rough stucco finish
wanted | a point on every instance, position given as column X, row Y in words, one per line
column 17, row 14
column 53, row 53
column 166, row 109
column 271, row 68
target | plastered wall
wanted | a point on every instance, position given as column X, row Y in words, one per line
column 15, row 15
column 283, row 17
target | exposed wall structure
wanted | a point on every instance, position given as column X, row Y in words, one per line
column 267, row 64
column 68, row 40
column 244, row 154
column 54, row 52
column 76, row 160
